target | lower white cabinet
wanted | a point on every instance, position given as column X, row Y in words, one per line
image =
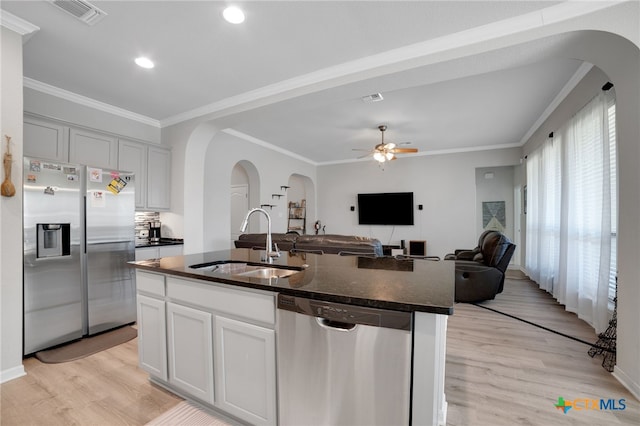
column 210, row 341
column 190, row 349
column 245, row 371
column 152, row 336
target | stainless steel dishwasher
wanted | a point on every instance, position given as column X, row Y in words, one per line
column 342, row 364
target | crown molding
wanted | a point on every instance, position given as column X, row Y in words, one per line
column 88, row 102
column 18, row 25
column 582, row 70
column 393, row 60
column 267, row 145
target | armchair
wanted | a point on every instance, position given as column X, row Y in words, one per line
column 468, row 254
column 483, row 278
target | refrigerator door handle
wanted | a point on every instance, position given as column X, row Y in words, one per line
column 84, row 223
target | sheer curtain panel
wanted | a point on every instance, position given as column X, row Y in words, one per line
column 569, row 221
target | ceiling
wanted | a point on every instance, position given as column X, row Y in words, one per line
column 204, row 64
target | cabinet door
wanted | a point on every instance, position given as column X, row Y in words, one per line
column 246, row 371
column 46, row 140
column 191, row 351
column 93, row 149
column 158, row 178
column 152, row 336
column 132, row 157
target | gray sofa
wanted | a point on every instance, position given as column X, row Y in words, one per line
column 328, row 243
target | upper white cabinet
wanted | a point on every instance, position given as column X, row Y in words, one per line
column 93, row 148
column 57, row 141
column 44, row 139
column 158, row 178
column 132, row 157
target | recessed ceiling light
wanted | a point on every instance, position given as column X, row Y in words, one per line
column 233, row 15
column 144, row 62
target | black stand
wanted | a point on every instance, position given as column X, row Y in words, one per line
column 607, row 341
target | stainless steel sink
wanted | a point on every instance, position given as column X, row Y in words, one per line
column 245, row 269
column 268, row 273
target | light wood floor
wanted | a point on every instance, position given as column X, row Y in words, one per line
column 499, row 371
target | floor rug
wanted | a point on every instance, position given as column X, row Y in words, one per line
column 188, row 413
column 87, row 346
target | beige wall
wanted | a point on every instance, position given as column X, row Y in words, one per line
column 11, row 210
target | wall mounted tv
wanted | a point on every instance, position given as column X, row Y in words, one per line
column 388, row 208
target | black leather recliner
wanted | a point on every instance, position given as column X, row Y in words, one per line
column 483, row 278
column 468, row 254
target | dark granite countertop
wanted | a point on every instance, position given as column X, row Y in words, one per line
column 383, row 282
column 163, row 242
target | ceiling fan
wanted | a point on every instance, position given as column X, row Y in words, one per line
column 387, row 151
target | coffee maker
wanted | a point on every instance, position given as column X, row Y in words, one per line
column 154, row 232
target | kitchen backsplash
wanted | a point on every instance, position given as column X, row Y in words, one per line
column 142, row 224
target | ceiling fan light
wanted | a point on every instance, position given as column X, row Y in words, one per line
column 380, row 157
column 389, row 155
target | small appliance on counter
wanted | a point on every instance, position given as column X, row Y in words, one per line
column 154, row 232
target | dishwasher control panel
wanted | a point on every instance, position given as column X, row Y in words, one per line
column 349, row 314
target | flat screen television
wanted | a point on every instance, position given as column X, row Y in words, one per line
column 388, row 208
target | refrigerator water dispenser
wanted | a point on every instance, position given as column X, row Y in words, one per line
column 54, row 240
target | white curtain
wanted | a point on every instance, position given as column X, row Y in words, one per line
column 569, row 226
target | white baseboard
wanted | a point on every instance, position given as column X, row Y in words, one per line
column 627, row 382
column 12, row 373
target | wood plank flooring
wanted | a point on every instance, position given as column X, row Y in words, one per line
column 107, row 388
column 499, row 371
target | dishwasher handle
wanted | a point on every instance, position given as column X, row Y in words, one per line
column 335, row 325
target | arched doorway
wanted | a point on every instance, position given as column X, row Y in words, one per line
column 244, row 190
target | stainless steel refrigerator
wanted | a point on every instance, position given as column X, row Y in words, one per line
column 79, row 233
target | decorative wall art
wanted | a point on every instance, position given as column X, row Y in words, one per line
column 493, row 215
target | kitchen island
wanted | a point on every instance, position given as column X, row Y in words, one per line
column 208, row 324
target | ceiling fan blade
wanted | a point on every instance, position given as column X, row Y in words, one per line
column 404, row 150
column 360, row 149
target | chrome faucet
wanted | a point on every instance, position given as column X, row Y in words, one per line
column 272, row 250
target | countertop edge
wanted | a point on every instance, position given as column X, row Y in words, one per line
column 381, row 304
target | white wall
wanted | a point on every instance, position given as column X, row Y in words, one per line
column 11, row 210
column 274, row 170
column 444, row 184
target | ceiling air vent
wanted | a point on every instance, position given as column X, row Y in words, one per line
column 84, row 11
column 376, row 97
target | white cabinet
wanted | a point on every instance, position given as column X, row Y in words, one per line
column 132, row 157
column 53, row 140
column 93, row 148
column 220, row 343
column 245, row 371
column 152, row 335
column 190, row 351
column 158, row 179
column 143, row 253
column 152, row 166
column 44, row 139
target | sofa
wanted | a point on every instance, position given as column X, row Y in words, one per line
column 325, row 243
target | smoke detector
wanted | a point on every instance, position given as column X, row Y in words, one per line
column 82, row 10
